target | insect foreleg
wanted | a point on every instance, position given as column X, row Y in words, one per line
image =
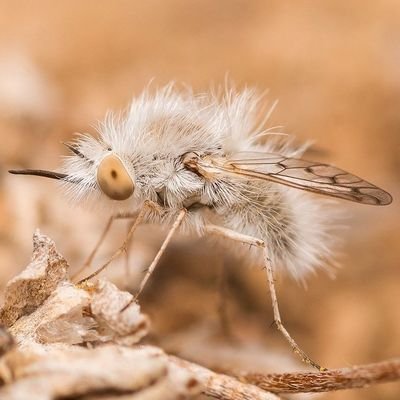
column 89, row 259
column 230, row 234
column 160, row 252
column 100, row 241
column 156, row 259
column 138, row 221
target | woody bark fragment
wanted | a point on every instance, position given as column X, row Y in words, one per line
column 34, row 284
column 58, row 339
column 331, row 380
column 45, row 317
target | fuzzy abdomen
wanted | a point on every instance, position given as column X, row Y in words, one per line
column 295, row 226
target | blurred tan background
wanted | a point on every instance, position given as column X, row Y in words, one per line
column 335, row 68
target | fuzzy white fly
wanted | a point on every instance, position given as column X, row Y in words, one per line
column 199, row 161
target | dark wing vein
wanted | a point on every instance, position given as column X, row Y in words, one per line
column 315, row 177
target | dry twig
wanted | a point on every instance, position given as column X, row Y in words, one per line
column 327, row 381
column 222, row 386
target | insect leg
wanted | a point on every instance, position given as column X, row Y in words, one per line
column 89, row 260
column 123, row 248
column 233, row 235
column 100, row 241
column 127, row 253
column 127, row 258
column 277, row 316
column 156, row 259
column 227, row 233
column 160, row 252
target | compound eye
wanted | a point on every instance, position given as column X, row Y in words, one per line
column 113, row 178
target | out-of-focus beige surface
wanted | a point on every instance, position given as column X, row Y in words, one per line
column 335, row 68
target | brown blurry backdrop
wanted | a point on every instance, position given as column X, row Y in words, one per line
column 335, row 68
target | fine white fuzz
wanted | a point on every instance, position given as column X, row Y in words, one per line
column 152, row 138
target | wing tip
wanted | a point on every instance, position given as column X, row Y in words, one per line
column 386, row 199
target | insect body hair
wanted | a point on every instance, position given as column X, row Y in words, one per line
column 152, row 140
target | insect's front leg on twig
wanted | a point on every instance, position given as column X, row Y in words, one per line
column 150, row 270
column 139, row 219
column 92, row 254
column 230, row 234
column 154, row 263
column 100, row 241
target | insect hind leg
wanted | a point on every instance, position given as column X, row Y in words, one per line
column 236, row 236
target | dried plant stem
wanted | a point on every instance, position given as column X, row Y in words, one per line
column 326, row 381
column 221, row 386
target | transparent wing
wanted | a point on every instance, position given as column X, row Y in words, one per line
column 301, row 174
